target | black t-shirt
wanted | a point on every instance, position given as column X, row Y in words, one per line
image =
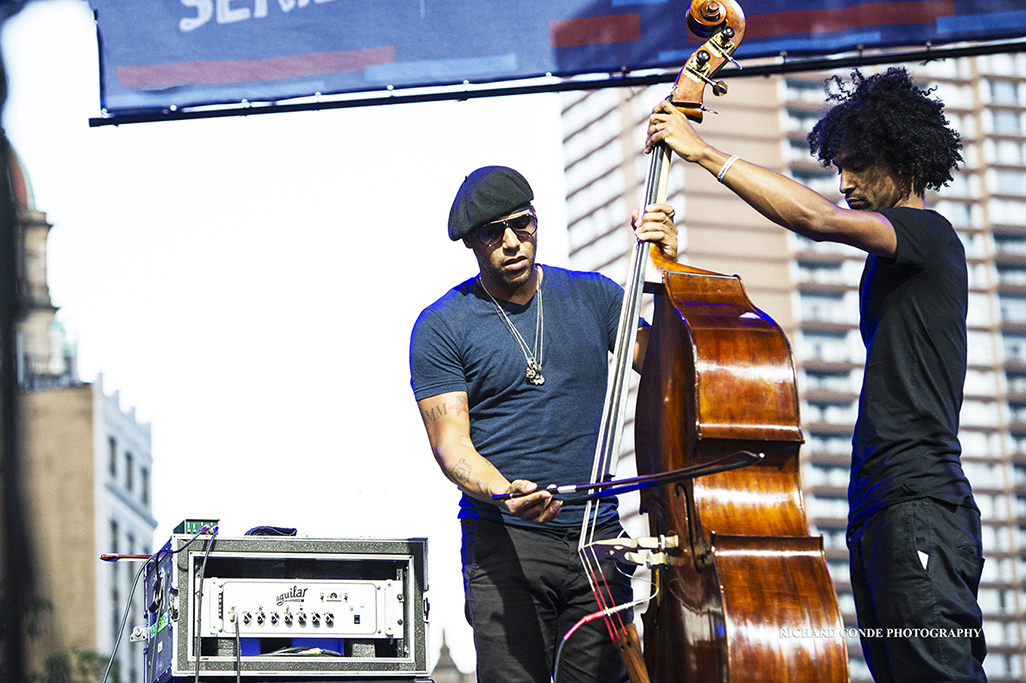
column 913, row 312
column 545, row 434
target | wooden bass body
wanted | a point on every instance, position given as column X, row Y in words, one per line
column 746, row 595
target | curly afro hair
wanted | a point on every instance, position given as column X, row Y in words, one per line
column 886, row 116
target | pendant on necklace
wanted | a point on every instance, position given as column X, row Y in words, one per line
column 534, row 376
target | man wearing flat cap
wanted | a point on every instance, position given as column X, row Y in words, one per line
column 509, row 371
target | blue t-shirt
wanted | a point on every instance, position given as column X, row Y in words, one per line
column 545, row 434
column 913, row 312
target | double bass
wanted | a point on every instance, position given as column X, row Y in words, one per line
column 741, row 588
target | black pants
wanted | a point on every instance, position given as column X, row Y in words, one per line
column 525, row 588
column 915, row 573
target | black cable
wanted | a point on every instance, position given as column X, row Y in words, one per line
column 149, row 645
column 199, row 598
column 238, row 653
column 155, row 559
column 555, row 664
column 124, row 619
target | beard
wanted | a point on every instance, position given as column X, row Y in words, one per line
column 502, row 277
column 509, row 281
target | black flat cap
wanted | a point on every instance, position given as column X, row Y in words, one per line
column 487, row 194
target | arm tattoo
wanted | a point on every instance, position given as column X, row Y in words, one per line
column 457, row 407
column 433, row 414
column 461, row 472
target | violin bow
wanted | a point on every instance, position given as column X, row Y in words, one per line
column 614, row 487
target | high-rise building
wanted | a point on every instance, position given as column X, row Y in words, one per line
column 811, row 288
column 86, row 470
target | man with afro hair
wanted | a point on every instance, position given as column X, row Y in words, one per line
column 913, row 527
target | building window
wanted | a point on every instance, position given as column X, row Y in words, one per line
column 966, row 125
column 1003, row 92
column 1009, row 244
column 954, row 96
column 979, row 413
column 983, row 475
column 129, row 462
column 824, row 182
column 980, row 382
column 823, row 273
column 797, row 150
column 1013, row 308
column 995, row 540
column 1001, row 64
column 820, row 475
column 144, row 484
column 959, row 213
column 1007, row 152
column 826, row 508
column 980, row 444
column 800, row 119
column 1006, row 123
column 979, row 313
column 947, row 68
column 975, row 245
column 839, row 570
column 846, row 601
column 980, row 348
column 829, row 444
column 826, row 346
column 112, row 446
column 800, row 243
column 825, row 308
column 998, row 570
column 996, row 601
column 115, row 593
column 963, row 185
column 830, row 412
column 841, row 382
column 804, row 91
column 834, row 539
column 1001, row 664
column 1018, row 439
column 1011, row 275
column 1010, row 182
column 1014, row 346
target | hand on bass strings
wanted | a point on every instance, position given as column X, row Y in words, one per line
column 670, row 126
column 532, row 505
column 656, row 226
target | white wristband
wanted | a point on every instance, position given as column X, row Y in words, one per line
column 726, row 166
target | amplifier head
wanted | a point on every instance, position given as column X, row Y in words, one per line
column 287, row 606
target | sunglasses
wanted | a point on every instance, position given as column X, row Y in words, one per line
column 522, row 225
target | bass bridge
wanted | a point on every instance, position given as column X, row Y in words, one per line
column 651, row 551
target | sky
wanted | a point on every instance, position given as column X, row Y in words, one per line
column 247, row 286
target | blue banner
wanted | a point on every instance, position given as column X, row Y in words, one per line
column 159, row 55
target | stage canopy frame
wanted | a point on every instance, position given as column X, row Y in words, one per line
column 173, row 59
